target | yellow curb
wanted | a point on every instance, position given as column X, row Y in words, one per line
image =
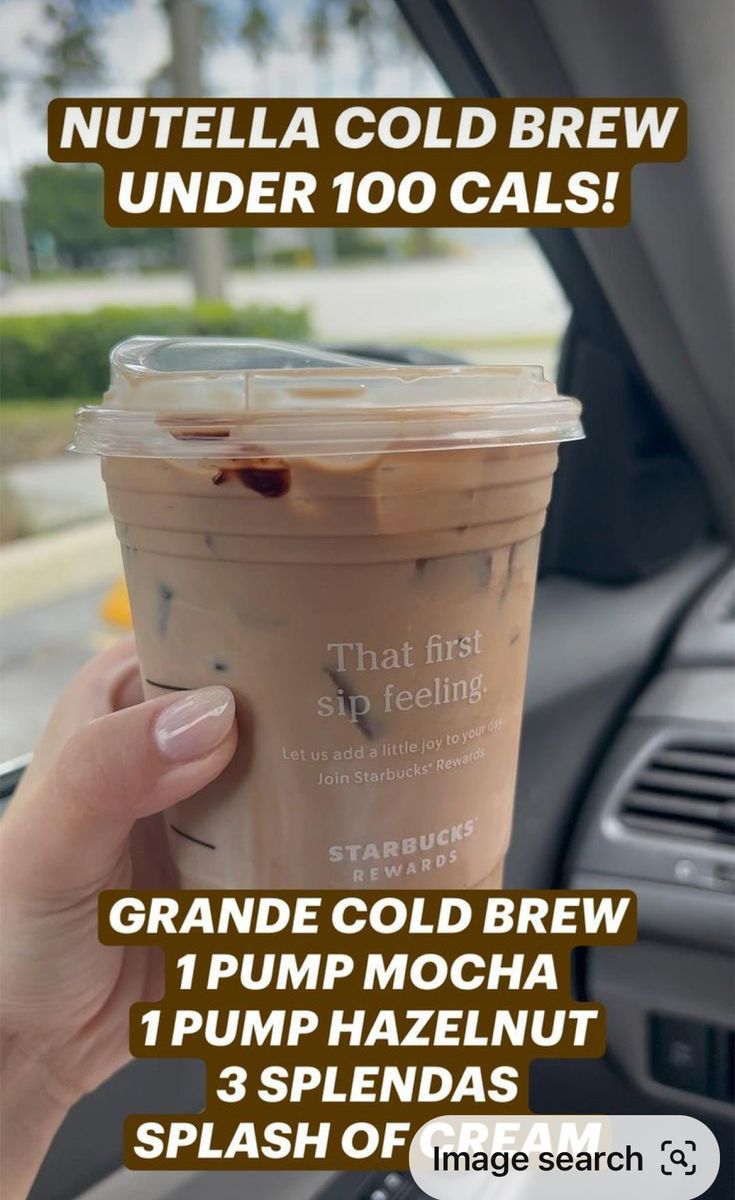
column 37, row 570
column 115, row 607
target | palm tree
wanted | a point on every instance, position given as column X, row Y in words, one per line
column 71, row 57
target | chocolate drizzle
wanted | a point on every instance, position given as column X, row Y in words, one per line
column 267, row 477
column 266, row 481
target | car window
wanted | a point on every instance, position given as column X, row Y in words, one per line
column 72, row 286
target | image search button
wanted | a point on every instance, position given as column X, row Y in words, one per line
column 682, row 1157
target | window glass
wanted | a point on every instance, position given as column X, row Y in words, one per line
column 483, row 295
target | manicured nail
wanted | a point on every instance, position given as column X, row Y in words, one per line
column 192, row 725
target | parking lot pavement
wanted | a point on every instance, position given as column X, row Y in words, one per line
column 493, row 293
column 56, row 492
column 40, row 649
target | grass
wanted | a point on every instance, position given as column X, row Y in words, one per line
column 512, row 341
column 35, row 429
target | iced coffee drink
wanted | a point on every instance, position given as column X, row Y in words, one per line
column 352, row 549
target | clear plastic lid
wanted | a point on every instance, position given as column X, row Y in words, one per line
column 209, row 397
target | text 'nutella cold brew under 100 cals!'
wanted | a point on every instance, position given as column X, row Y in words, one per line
column 352, row 549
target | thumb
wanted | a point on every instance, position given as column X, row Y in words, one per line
column 70, row 829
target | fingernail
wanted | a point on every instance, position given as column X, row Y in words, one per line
column 193, row 725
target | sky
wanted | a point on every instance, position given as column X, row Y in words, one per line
column 134, row 41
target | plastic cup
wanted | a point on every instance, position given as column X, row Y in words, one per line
column 352, row 549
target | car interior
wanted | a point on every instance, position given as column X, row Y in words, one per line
column 627, row 769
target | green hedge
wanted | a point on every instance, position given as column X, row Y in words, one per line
column 66, row 354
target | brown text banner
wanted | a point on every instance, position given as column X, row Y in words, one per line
column 533, row 162
column 333, row 1024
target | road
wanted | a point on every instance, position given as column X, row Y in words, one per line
column 41, row 648
column 57, row 492
column 494, row 293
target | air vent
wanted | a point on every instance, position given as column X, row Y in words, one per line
column 685, row 791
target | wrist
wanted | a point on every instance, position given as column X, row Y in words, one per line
column 32, row 1111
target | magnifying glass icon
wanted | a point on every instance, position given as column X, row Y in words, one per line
column 678, row 1158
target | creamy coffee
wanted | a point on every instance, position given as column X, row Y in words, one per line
column 367, row 597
